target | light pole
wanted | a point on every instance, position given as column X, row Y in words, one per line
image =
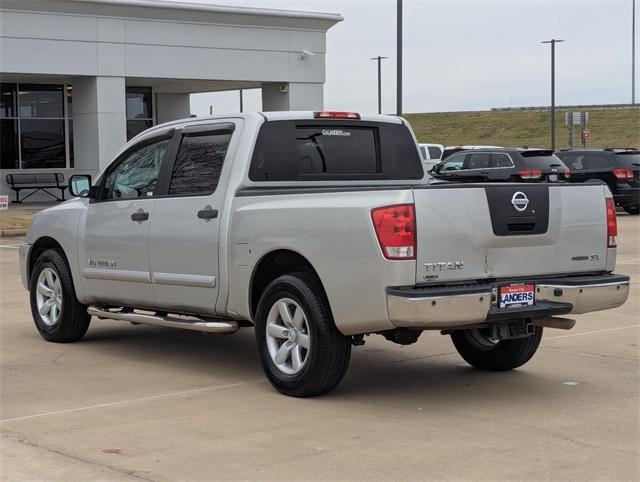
column 553, row 43
column 633, row 52
column 399, row 57
column 241, row 102
column 379, row 59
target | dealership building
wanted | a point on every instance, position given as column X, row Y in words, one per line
column 81, row 77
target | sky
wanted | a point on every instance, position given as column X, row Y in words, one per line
column 465, row 54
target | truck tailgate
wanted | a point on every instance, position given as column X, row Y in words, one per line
column 467, row 232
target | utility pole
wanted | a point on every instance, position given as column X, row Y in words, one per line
column 379, row 59
column 553, row 43
column 399, row 59
column 633, row 51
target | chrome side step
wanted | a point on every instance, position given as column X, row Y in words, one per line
column 207, row 325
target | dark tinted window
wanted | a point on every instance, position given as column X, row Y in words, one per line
column 577, row 161
column 42, row 143
column 8, row 144
column 434, row 152
column 139, row 104
column 501, row 160
column 41, row 100
column 479, row 160
column 313, row 150
column 199, row 163
column 8, row 100
column 136, row 175
column 628, row 159
column 423, row 151
column 135, row 127
column 538, row 159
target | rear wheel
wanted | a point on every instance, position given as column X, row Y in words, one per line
column 480, row 351
column 302, row 352
column 632, row 208
column 57, row 313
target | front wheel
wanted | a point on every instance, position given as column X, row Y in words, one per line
column 632, row 208
column 480, row 351
column 302, row 352
column 57, row 313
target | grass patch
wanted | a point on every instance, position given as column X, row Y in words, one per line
column 9, row 220
column 609, row 128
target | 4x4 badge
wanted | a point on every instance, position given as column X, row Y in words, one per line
column 520, row 201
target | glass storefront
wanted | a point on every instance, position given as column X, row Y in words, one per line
column 139, row 110
column 34, row 121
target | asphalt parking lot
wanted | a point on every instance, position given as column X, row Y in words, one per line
column 136, row 402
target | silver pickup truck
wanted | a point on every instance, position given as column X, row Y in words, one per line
column 317, row 229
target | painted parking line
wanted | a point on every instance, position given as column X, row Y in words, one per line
column 135, row 400
column 593, row 332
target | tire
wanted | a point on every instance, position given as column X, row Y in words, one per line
column 319, row 367
column 65, row 319
column 501, row 356
column 632, row 208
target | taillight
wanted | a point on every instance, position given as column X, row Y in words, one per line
column 612, row 224
column 395, row 228
column 623, row 174
column 531, row 174
column 335, row 115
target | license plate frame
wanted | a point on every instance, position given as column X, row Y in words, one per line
column 518, row 295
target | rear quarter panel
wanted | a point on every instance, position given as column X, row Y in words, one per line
column 334, row 232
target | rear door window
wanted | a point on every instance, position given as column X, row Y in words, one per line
column 199, row 163
column 479, row 160
column 501, row 160
column 318, row 151
column 434, row 152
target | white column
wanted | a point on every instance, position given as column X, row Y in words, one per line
column 172, row 106
column 99, row 120
column 298, row 96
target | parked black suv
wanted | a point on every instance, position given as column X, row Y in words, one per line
column 619, row 168
column 502, row 164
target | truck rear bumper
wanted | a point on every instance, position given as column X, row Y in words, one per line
column 461, row 306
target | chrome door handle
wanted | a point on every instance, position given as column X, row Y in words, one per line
column 139, row 216
column 208, row 213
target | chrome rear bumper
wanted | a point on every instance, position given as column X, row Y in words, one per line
column 457, row 307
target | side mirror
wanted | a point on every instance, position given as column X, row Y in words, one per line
column 80, row 185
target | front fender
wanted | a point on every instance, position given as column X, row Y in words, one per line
column 59, row 223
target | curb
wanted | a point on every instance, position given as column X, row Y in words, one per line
column 9, row 233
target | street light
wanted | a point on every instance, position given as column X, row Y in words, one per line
column 553, row 43
column 379, row 59
column 399, row 58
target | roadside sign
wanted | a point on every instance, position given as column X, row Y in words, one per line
column 586, row 133
column 4, row 201
column 576, row 118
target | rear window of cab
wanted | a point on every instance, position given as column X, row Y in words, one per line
column 319, row 150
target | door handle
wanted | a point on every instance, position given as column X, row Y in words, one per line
column 139, row 216
column 208, row 213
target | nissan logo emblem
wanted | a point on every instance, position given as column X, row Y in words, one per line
column 520, row 201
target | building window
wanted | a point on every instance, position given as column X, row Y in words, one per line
column 34, row 126
column 139, row 110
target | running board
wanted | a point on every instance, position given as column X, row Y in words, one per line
column 188, row 323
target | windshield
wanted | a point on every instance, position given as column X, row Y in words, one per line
column 629, row 159
column 542, row 159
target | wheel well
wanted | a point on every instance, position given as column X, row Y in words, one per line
column 39, row 247
column 273, row 265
